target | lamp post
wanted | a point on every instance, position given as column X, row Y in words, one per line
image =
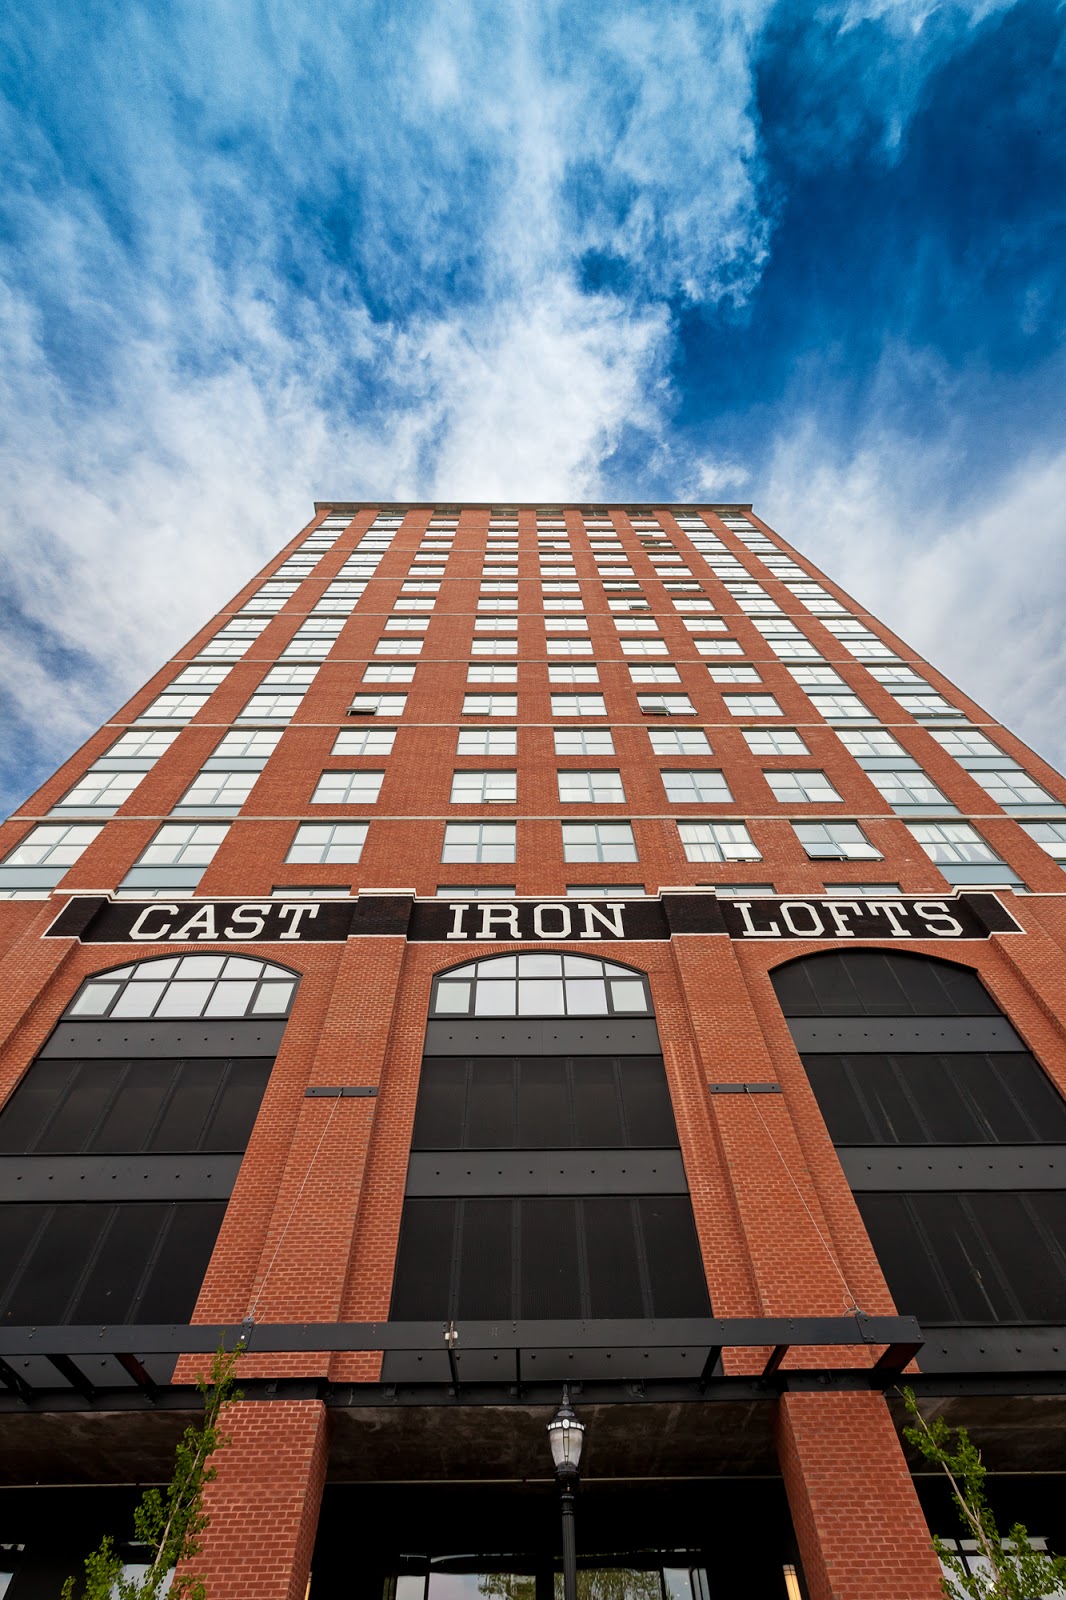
column 566, row 1435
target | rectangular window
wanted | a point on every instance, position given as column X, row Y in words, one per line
column 823, row 677
column 569, row 647
column 271, row 707
column 723, row 647
column 953, row 842
column 573, row 675
column 144, row 746
column 644, row 647
column 801, row 788
column 605, row 891
column 964, row 742
column 860, row 889
column 690, row 788
column 840, row 707
column 364, row 742
column 679, row 742
column 835, row 841
column 476, row 674
column 196, row 677
column 741, row 891
column 174, row 708
column 479, row 841
column 494, row 647
column 375, row 674
column 378, row 705
column 101, row 789
column 584, row 787
column 1010, row 786
column 734, row 675
column 397, row 647
column 1050, row 836
column 752, row 705
column 217, row 787
column 326, row 843
column 598, row 841
column 926, row 705
column 52, row 845
column 578, row 705
column 490, row 705
column 870, row 743
column 184, row 844
column 583, row 742
column 484, row 788
column 775, row 742
column 717, row 841
column 348, row 788
column 654, row 675
column 487, row 742
column 908, row 787
column 666, row 705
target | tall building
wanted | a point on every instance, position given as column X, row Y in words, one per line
column 517, row 945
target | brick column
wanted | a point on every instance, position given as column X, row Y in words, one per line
column 860, row 1529
column 264, row 1504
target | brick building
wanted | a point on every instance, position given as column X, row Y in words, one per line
column 517, row 945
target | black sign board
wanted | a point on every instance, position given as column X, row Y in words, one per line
column 94, row 919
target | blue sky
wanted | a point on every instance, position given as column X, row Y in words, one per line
column 253, row 254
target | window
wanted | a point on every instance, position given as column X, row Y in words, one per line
column 495, row 624
column 364, row 742
column 717, row 841
column 859, row 889
column 870, row 742
column 1008, row 786
column 101, row 789
column 475, row 891
column 490, row 705
column 217, row 787
column 187, row 986
column 578, row 705
column 666, row 705
column 580, row 787
column 835, row 841
column 374, row 674
column 479, row 841
column 52, row 845
column 655, row 675
column 775, row 742
column 497, row 607
column 926, row 705
column 840, row 707
column 734, row 675
column 906, row 787
column 679, row 742
column 752, row 705
column 199, row 677
column 378, row 705
column 141, row 745
column 487, row 742
column 477, row 674
column 184, row 844
column 348, row 788
column 271, row 707
column 789, row 649
column 741, row 891
column 644, row 647
column 569, row 647
column 964, row 742
column 397, row 647
column 690, row 788
column 573, row 675
column 816, row 677
column 493, row 647
column 947, row 842
column 541, row 983
column 328, row 842
column 598, row 841
column 1050, row 836
column 604, row 891
column 583, row 742
column 803, row 788
column 636, row 625
column 484, row 788
column 174, row 708
column 723, row 647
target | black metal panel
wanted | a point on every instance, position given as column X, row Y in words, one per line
column 113, row 1178
column 894, row 1034
column 1004, row 1349
column 556, row 1036
column 879, row 983
column 528, row 1172
column 104, row 1040
column 951, row 1167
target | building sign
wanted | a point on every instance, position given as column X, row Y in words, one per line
column 94, row 919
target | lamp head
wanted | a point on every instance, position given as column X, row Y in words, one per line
column 566, row 1435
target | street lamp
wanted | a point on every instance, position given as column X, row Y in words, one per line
column 566, row 1435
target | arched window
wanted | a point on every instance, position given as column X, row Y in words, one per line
column 541, row 984
column 545, row 1178
column 187, row 986
column 126, row 1134
column 947, row 1129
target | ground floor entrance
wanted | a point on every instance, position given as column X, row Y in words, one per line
column 653, row 1540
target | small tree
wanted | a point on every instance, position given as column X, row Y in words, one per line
column 1014, row 1571
column 169, row 1521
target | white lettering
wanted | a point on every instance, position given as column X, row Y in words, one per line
column 507, row 916
column 788, row 909
column 297, row 913
column 201, row 925
column 890, row 908
column 139, row 931
column 936, row 911
column 750, row 930
column 609, row 916
column 836, row 909
column 459, row 911
column 561, row 932
column 247, row 922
